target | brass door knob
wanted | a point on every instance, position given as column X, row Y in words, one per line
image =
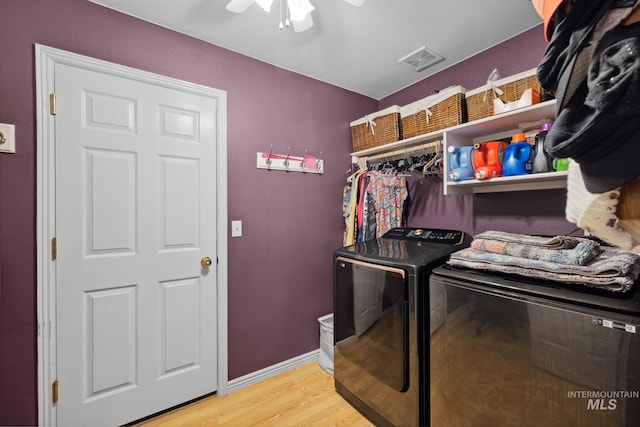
column 206, row 262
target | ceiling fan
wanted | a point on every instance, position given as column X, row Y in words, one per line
column 298, row 12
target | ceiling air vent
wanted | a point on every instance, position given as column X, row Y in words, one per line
column 421, row 59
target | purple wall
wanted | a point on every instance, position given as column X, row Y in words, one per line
column 280, row 272
column 519, row 212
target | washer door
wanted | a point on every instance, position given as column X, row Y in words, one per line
column 371, row 319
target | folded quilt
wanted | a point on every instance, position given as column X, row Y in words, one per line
column 567, row 250
column 555, row 242
column 613, row 269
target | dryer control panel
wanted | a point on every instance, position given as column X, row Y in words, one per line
column 431, row 235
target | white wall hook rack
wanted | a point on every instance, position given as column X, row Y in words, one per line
column 286, row 162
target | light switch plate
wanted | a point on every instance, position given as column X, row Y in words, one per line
column 236, row 228
column 9, row 135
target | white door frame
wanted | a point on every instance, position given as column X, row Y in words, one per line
column 46, row 59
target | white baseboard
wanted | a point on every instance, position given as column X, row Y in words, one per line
column 272, row 371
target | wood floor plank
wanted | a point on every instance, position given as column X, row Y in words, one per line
column 304, row 396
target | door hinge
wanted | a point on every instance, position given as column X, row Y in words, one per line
column 54, row 249
column 54, row 392
column 52, row 104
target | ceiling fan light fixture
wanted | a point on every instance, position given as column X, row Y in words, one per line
column 299, row 9
column 304, row 25
column 421, row 59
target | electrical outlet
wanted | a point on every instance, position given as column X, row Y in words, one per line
column 236, row 228
column 7, row 138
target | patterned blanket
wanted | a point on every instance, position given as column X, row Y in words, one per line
column 572, row 260
column 559, row 249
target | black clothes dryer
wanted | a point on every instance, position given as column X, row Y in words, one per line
column 382, row 322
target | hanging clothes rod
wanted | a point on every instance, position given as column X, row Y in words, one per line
column 430, row 147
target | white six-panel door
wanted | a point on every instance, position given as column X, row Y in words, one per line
column 135, row 211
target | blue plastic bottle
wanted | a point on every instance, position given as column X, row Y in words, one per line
column 460, row 165
column 542, row 162
column 517, row 157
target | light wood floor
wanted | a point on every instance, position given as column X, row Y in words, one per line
column 304, row 396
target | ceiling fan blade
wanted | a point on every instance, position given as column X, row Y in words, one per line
column 239, row 6
column 356, row 3
column 304, row 25
column 265, row 5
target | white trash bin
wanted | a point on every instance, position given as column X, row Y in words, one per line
column 326, row 343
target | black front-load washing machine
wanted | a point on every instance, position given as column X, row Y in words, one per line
column 382, row 322
column 517, row 351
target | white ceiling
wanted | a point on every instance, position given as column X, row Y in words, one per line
column 354, row 48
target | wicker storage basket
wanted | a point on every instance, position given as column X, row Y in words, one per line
column 435, row 112
column 480, row 101
column 377, row 129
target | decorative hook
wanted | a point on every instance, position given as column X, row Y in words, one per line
column 268, row 161
column 318, row 161
column 286, row 159
column 302, row 165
